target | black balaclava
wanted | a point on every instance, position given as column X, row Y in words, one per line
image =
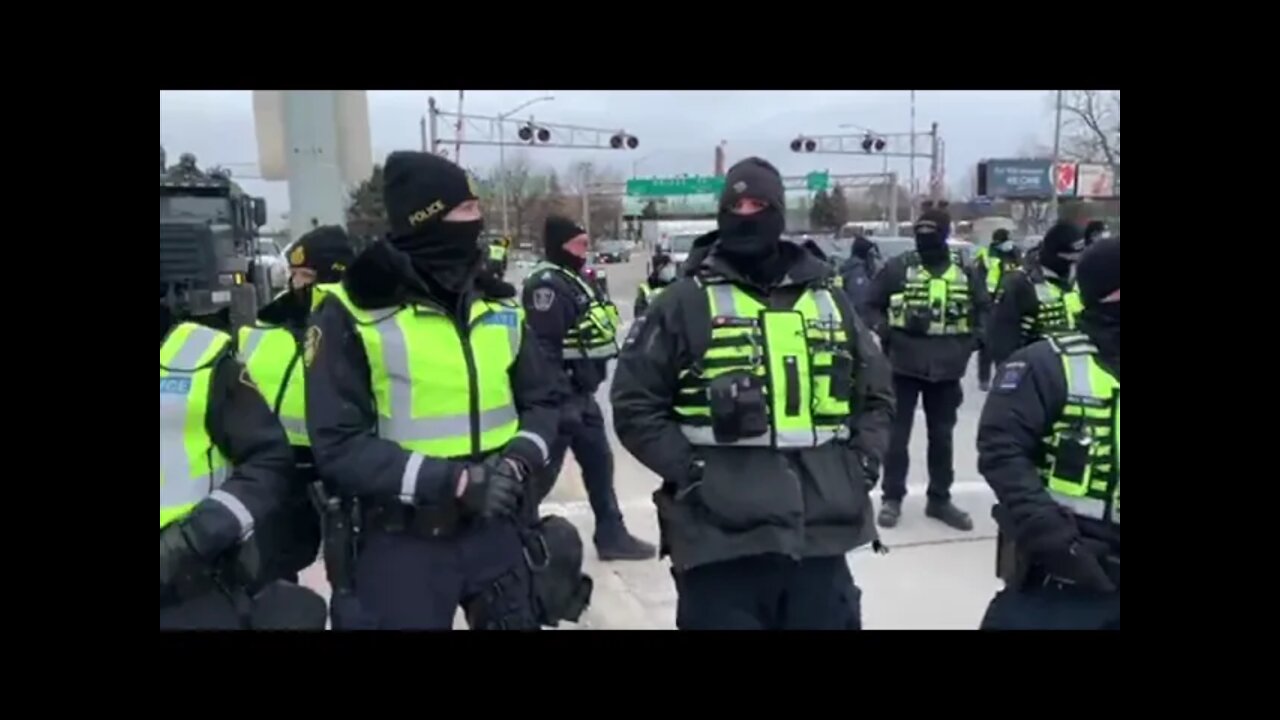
column 750, row 242
column 1098, row 276
column 420, row 189
column 862, row 247
column 1061, row 248
column 558, row 231
column 1002, row 246
column 932, row 230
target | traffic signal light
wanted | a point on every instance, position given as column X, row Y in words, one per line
column 803, row 143
column 617, row 142
column 870, row 142
column 529, row 131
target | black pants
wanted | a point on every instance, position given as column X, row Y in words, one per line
column 590, row 445
column 769, row 592
column 404, row 581
column 941, row 403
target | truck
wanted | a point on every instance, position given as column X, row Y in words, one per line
column 674, row 236
column 209, row 264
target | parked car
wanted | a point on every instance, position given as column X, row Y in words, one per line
column 612, row 251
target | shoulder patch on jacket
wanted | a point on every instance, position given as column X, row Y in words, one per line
column 311, row 345
column 543, row 298
column 1011, row 375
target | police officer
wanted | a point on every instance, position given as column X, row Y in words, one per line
column 426, row 403
column 576, row 325
column 662, row 275
column 929, row 308
column 272, row 351
column 755, row 392
column 496, row 262
column 225, row 465
column 1049, row 445
column 1040, row 299
column 994, row 264
column 858, row 270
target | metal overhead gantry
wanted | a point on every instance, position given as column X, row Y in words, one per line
column 530, row 133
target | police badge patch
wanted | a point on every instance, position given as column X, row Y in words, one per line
column 543, row 298
column 1011, row 375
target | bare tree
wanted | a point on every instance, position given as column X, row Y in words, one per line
column 1091, row 125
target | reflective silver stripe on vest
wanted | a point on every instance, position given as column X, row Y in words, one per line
column 826, row 305
column 726, row 300
column 401, row 426
column 256, row 337
column 1084, row 506
column 294, row 425
column 409, row 480
column 604, row 352
column 193, row 348
column 536, row 439
column 704, row 435
column 181, row 485
column 237, row 508
column 1080, row 380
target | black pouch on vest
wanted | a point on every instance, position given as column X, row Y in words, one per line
column 918, row 319
column 841, row 376
column 1071, row 458
column 738, row 409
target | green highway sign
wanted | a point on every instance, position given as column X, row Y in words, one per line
column 818, row 180
column 689, row 185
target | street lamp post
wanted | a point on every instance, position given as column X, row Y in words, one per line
column 502, row 157
column 1053, row 169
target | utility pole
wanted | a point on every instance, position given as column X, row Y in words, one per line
column 911, row 182
column 586, row 202
column 432, row 114
column 893, row 204
column 422, row 129
column 934, row 169
column 1053, row 168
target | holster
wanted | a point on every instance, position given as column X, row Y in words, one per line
column 339, row 539
column 553, row 552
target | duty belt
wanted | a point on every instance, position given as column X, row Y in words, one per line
column 419, row 520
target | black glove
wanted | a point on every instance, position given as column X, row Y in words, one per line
column 870, row 466
column 492, row 489
column 178, row 559
column 1080, row 564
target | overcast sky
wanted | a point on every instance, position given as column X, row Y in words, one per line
column 678, row 130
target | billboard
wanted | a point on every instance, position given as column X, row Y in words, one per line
column 1098, row 181
column 1026, row 179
